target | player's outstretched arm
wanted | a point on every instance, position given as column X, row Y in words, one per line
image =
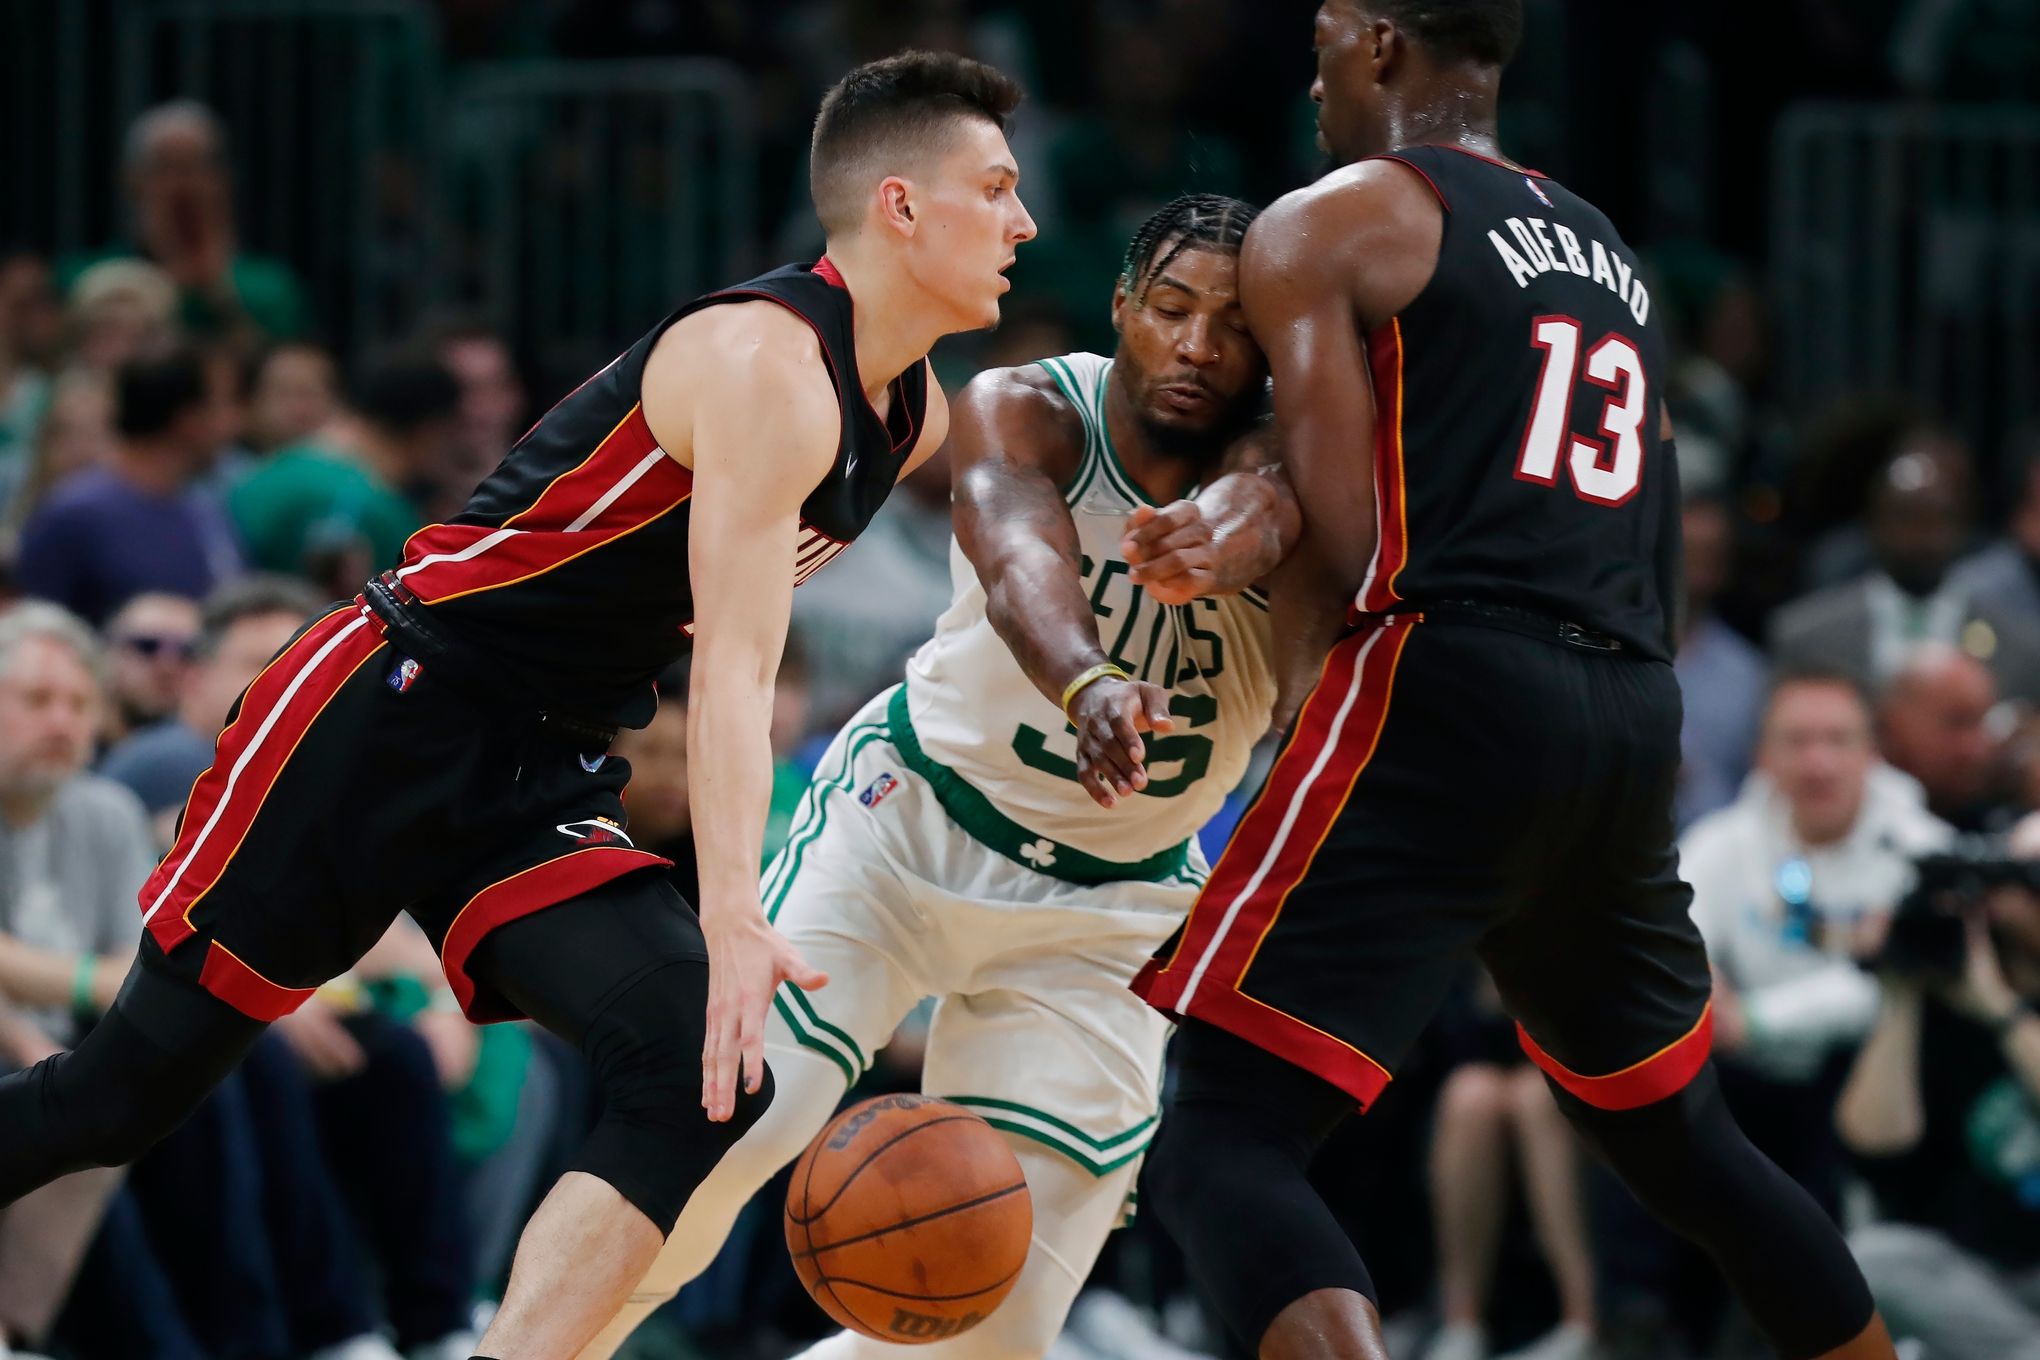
column 1012, row 443
column 1231, row 535
column 752, row 398
column 1319, row 270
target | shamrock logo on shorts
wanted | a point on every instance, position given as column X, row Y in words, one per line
column 1040, row 853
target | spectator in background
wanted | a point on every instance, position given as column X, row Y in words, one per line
column 1917, row 526
column 492, row 416
column 31, row 310
column 2007, row 573
column 660, row 819
column 118, row 309
column 73, row 850
column 1935, row 723
column 1791, row 885
column 109, row 533
column 150, row 640
column 24, row 392
column 1942, row 1111
column 77, row 433
column 241, row 627
column 293, row 393
column 1720, row 671
column 180, row 195
column 1493, row 1110
column 338, row 511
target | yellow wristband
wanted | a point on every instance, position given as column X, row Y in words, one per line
column 1097, row 672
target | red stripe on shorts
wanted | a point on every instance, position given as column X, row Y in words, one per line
column 277, row 709
column 1662, row 1074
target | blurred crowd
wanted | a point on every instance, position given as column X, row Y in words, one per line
column 187, row 474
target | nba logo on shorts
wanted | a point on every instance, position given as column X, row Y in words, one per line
column 405, row 673
column 875, row 793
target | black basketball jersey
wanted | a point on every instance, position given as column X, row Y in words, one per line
column 1517, row 449
column 568, row 567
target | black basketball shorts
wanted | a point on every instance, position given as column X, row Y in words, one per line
column 1455, row 788
column 352, row 783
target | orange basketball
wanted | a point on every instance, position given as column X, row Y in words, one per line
column 908, row 1219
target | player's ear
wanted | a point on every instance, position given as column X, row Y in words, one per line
column 1120, row 302
column 896, row 205
column 1386, row 50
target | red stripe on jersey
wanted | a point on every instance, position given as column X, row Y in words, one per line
column 1391, row 515
column 1271, row 851
column 627, row 483
column 574, row 490
column 277, row 709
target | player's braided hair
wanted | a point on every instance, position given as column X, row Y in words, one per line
column 1192, row 220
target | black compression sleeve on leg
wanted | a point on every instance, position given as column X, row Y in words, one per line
column 1685, row 1160
column 1228, row 1176
column 619, row 974
column 138, row 1075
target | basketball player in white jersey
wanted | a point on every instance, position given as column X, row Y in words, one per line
column 1012, row 830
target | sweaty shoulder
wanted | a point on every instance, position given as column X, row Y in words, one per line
column 1370, row 230
column 1019, row 415
column 753, row 360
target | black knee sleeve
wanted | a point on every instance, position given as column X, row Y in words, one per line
column 655, row 1143
column 1228, row 1176
column 1685, row 1160
column 135, row 1078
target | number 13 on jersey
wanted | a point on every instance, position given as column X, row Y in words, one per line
column 1607, row 467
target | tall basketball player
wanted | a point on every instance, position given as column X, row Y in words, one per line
column 438, row 744
column 1468, row 381
column 1106, row 649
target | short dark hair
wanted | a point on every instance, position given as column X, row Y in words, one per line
column 406, row 389
column 154, row 388
column 1816, row 673
column 1209, row 220
column 894, row 105
column 255, row 596
column 1486, row 32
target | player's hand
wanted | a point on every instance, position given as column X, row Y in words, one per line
column 747, row 960
column 1171, row 551
column 1109, row 716
column 322, row 1041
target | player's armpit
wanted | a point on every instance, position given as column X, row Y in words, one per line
column 1013, row 442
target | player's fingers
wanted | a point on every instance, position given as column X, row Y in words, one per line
column 1109, row 754
column 751, row 1045
column 1181, row 564
column 1136, row 751
column 1094, row 783
column 1155, row 700
column 1162, row 531
column 800, row 972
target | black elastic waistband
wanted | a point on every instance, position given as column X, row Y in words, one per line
column 1516, row 619
column 469, row 671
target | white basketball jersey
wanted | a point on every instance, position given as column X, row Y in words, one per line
column 975, row 711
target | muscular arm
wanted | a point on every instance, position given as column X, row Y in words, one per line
column 752, row 400
column 1318, row 271
column 1012, row 443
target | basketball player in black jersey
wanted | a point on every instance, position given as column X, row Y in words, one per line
column 439, row 744
column 1468, row 378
